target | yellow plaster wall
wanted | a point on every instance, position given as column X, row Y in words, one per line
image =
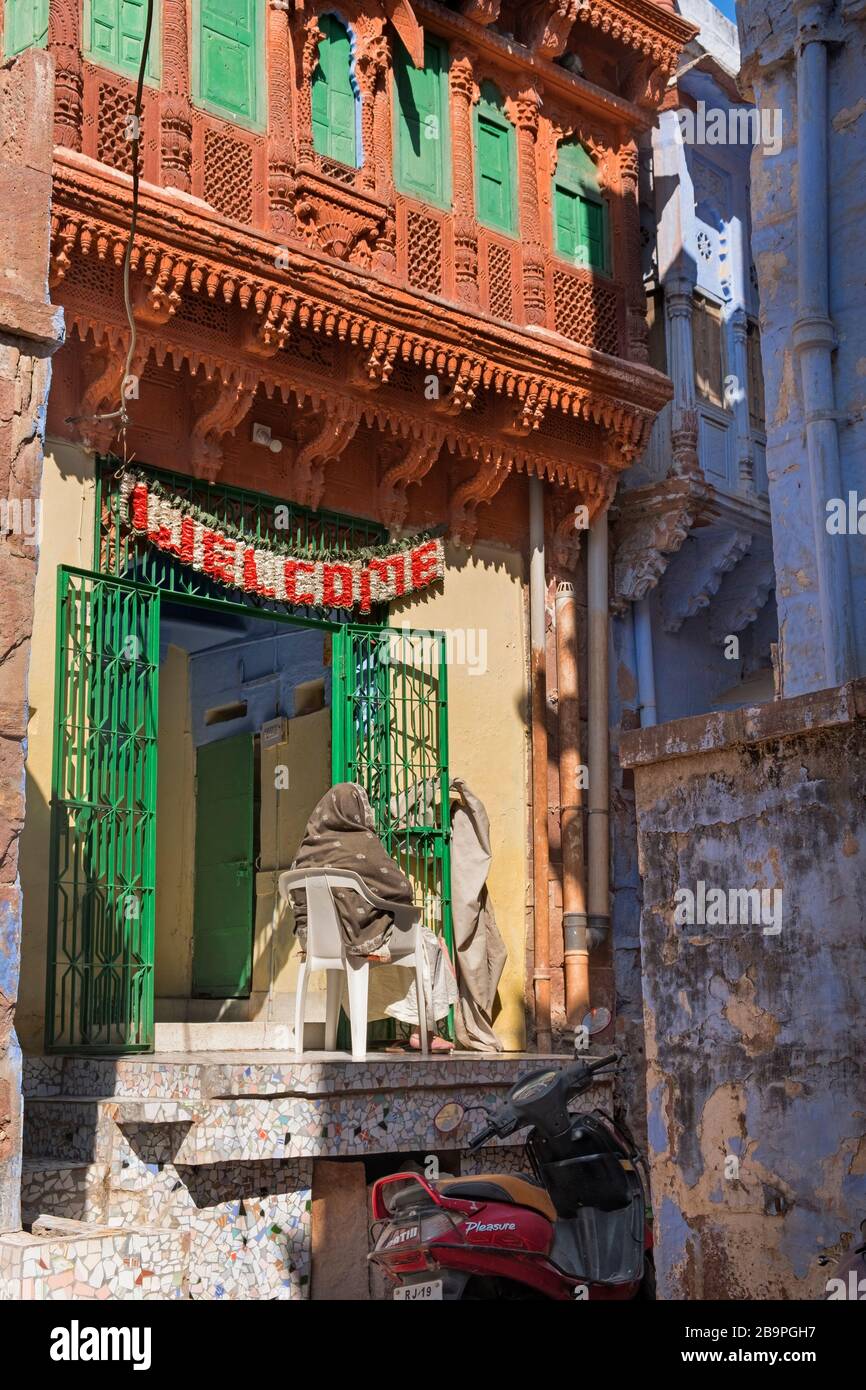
column 67, row 519
column 482, row 598
column 285, row 810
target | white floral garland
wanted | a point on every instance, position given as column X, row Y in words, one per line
column 351, row 583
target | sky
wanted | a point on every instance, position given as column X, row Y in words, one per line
column 727, row 7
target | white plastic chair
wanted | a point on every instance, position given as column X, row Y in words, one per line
column 326, row 950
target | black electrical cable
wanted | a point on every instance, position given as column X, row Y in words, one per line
column 122, row 413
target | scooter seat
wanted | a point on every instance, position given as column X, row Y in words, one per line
column 500, row 1187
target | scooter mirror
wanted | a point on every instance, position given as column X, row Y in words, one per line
column 449, row 1118
column 596, row 1021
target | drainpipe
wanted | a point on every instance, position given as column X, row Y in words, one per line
column 540, row 847
column 643, row 646
column 599, row 733
column 814, row 337
column 574, row 919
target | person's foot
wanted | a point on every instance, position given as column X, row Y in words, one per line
column 437, row 1044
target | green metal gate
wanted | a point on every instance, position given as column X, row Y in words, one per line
column 390, row 734
column 103, row 802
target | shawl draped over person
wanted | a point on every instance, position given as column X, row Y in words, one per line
column 340, row 834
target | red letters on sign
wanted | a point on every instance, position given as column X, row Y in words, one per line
column 337, row 586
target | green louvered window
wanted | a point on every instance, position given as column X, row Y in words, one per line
column 228, row 59
column 421, row 155
column 25, row 25
column 495, row 163
column 335, row 96
column 579, row 210
column 114, row 34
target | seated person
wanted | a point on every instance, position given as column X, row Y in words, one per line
column 340, row 834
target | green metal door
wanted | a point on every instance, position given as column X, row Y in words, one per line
column 103, row 806
column 390, row 734
column 222, row 957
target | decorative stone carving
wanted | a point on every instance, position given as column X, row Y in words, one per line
column 336, row 428
column 175, row 109
column 222, row 407
column 523, row 111
column 743, row 592
column 281, row 152
column 652, row 526
column 493, row 468
column 481, row 11
column 64, row 43
column 336, row 219
column 464, row 93
column 699, row 570
column 415, row 457
column 545, row 25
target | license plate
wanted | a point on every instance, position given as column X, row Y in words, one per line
column 430, row 1288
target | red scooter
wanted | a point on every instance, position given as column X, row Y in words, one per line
column 579, row 1230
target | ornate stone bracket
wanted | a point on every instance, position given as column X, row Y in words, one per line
column 743, row 592
column 545, row 25
column 417, row 456
column 699, row 570
column 222, row 410
column 652, row 526
column 483, row 12
column 572, row 511
column 494, row 468
column 157, row 297
column 339, row 422
column 105, row 363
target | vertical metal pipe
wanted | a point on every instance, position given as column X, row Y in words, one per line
column 574, row 920
column 599, row 734
column 540, row 847
column 646, row 679
column 814, row 336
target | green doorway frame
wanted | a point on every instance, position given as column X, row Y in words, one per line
column 389, row 733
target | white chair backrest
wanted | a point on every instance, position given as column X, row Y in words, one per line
column 324, row 937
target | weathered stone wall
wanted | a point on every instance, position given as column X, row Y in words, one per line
column 29, row 331
column 756, row 1038
column 768, row 37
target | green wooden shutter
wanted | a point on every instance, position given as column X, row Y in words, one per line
column 333, row 96
column 103, row 816
column 116, row 35
column 228, row 54
column 222, row 958
column 421, row 149
column 565, row 208
column 579, row 209
column 496, row 183
column 25, row 25
column 592, row 233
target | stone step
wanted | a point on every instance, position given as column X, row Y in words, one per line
column 229, row 1037
column 72, row 1260
column 52, row 1188
column 84, row 1129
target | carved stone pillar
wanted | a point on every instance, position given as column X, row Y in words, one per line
column 745, row 461
column 310, row 36
column 370, row 66
column 64, row 42
column 281, row 154
column 463, row 95
column 175, row 137
column 636, row 324
column 681, row 368
column 524, row 113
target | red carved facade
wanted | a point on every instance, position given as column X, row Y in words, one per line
column 273, row 285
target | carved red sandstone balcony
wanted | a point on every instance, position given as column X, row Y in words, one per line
column 252, row 248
